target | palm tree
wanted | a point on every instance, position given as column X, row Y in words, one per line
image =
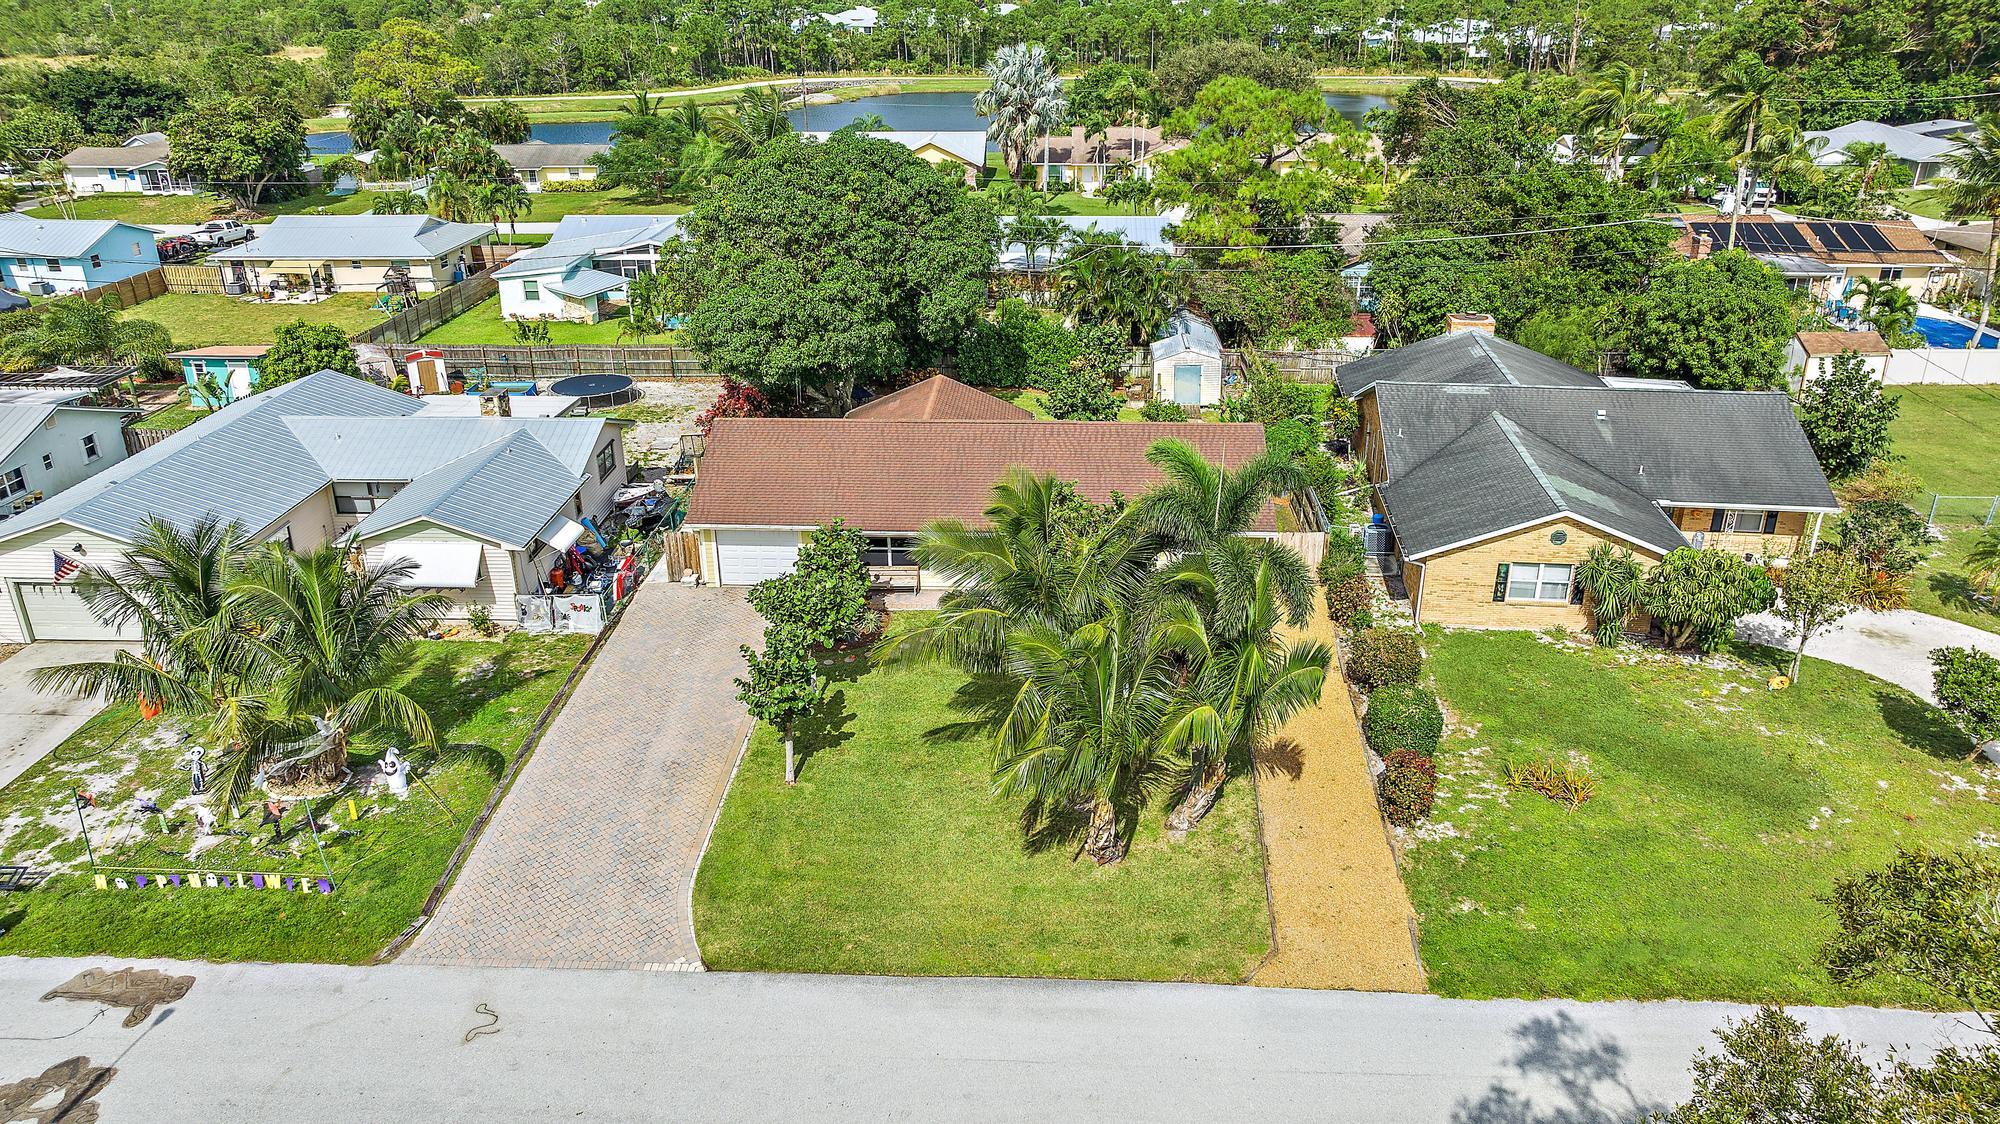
column 1103, row 277
column 1865, row 161
column 193, row 662
column 868, row 123
column 451, row 197
column 1024, row 100
column 642, row 104
column 399, row 202
column 1748, row 107
column 88, row 332
column 759, row 118
column 51, row 172
column 1889, row 307
column 336, row 638
column 1982, row 561
column 501, row 199
column 1613, row 104
column 1200, row 503
column 1973, row 191
column 1243, row 678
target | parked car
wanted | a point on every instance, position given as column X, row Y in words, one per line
column 179, row 248
column 221, row 232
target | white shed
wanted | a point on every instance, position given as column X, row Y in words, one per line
column 1187, row 361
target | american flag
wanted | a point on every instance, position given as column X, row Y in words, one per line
column 66, row 566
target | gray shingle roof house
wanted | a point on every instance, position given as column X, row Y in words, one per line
column 584, row 264
column 1498, row 468
column 540, row 163
column 330, row 458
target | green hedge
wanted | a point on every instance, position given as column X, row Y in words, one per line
column 1403, row 718
column 1385, row 657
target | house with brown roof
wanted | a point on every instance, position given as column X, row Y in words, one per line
column 903, row 462
column 939, row 398
column 1086, row 160
column 1826, row 258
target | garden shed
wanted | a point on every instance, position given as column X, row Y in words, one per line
column 1187, row 361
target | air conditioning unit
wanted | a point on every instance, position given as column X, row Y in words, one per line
column 41, row 288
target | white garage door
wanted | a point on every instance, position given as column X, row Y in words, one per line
column 748, row 557
column 54, row 612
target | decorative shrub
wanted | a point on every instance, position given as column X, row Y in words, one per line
column 1408, row 787
column 1290, row 436
column 1384, row 657
column 570, row 187
column 1346, row 598
column 1081, row 393
column 1560, row 781
column 1163, row 410
column 1343, row 559
column 1403, row 719
column 737, row 400
column 1021, row 347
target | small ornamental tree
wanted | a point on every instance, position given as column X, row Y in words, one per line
column 1926, row 918
column 783, row 685
column 1966, row 682
column 301, row 349
column 825, row 597
column 1847, row 417
column 1610, row 579
column 1769, row 1069
column 1816, row 591
column 1697, row 596
column 737, row 400
column 1081, row 393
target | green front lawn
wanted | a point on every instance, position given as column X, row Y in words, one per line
column 1723, row 811
column 1945, row 434
column 483, row 697
column 1939, row 585
column 481, row 324
column 1925, row 201
column 204, row 319
column 149, row 210
column 893, row 856
column 177, row 416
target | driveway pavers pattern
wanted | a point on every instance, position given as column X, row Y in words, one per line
column 589, row 860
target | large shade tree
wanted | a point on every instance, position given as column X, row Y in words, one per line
column 1973, row 191
column 820, row 265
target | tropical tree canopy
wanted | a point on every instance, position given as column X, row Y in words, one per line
column 1024, row 101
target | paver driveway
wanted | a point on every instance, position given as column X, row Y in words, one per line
column 589, row 860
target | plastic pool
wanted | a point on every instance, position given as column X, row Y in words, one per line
column 1951, row 333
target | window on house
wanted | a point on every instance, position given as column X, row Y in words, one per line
column 607, row 460
column 54, row 264
column 96, row 262
column 90, row 447
column 354, row 265
column 531, row 290
column 529, row 175
column 363, row 497
column 48, row 462
column 1892, row 273
column 1744, row 522
column 13, row 483
column 889, row 550
column 1531, row 581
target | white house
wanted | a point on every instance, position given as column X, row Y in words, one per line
column 583, row 267
column 1187, row 361
column 357, row 253
column 1921, row 147
column 56, row 256
column 51, row 440
column 860, row 20
column 964, row 152
column 482, row 505
column 1811, row 354
column 540, row 163
column 138, row 165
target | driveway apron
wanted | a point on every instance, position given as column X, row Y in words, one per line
column 589, row 861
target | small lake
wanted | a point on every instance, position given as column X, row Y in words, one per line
column 916, row 112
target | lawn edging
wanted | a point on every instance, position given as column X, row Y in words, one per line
column 452, row 866
column 708, row 837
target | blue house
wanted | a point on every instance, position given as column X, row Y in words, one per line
column 230, row 368
column 56, row 256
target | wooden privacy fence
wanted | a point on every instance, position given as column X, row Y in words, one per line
column 564, row 362
column 131, row 290
column 192, row 278
column 430, row 311
column 1301, row 366
column 680, row 554
column 137, row 439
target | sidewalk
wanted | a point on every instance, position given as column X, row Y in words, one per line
column 1343, row 919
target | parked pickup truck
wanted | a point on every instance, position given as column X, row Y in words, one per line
column 221, row 232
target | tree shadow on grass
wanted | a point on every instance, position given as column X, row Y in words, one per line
column 1921, row 726
column 828, row 725
column 1955, row 591
column 1587, row 1070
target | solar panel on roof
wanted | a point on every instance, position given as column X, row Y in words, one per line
column 1789, row 238
column 1831, row 236
column 1873, row 238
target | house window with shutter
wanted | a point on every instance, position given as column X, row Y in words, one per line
column 1536, row 581
column 1745, row 522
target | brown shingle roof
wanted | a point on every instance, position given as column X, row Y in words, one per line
column 1907, row 244
column 901, row 475
column 1833, row 343
column 1119, row 142
column 939, row 398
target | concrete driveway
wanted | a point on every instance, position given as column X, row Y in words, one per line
column 34, row 722
column 1895, row 645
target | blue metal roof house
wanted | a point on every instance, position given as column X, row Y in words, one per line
column 481, row 505
column 57, row 256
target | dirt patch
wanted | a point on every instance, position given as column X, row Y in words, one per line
column 1341, row 916
column 65, row 1092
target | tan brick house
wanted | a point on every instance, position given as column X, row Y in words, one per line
column 1497, row 468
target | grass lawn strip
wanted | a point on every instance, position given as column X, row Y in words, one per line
column 892, row 855
column 204, row 319
column 1945, row 436
column 1723, row 811
column 1939, row 585
column 177, row 416
column 481, row 324
column 483, row 696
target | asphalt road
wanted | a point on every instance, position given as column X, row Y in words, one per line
column 276, row 1042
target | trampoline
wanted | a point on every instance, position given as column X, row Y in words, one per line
column 597, row 390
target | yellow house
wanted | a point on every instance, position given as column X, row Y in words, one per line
column 540, row 163
column 1497, row 469
column 963, row 152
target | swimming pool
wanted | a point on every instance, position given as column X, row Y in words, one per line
column 1951, row 333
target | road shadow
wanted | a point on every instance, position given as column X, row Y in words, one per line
column 1921, row 726
column 1585, row 1070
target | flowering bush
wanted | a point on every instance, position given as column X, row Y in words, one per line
column 737, row 400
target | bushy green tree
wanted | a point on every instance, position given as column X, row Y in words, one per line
column 241, row 146
column 1769, row 1070
column 821, row 265
column 825, row 596
column 782, row 686
column 113, row 101
column 1696, row 596
column 1720, row 323
column 1815, row 591
column 1847, row 417
column 1279, row 299
column 1966, row 682
column 300, row 349
column 1183, row 75
column 1926, row 918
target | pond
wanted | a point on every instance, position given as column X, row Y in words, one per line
column 902, row 112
